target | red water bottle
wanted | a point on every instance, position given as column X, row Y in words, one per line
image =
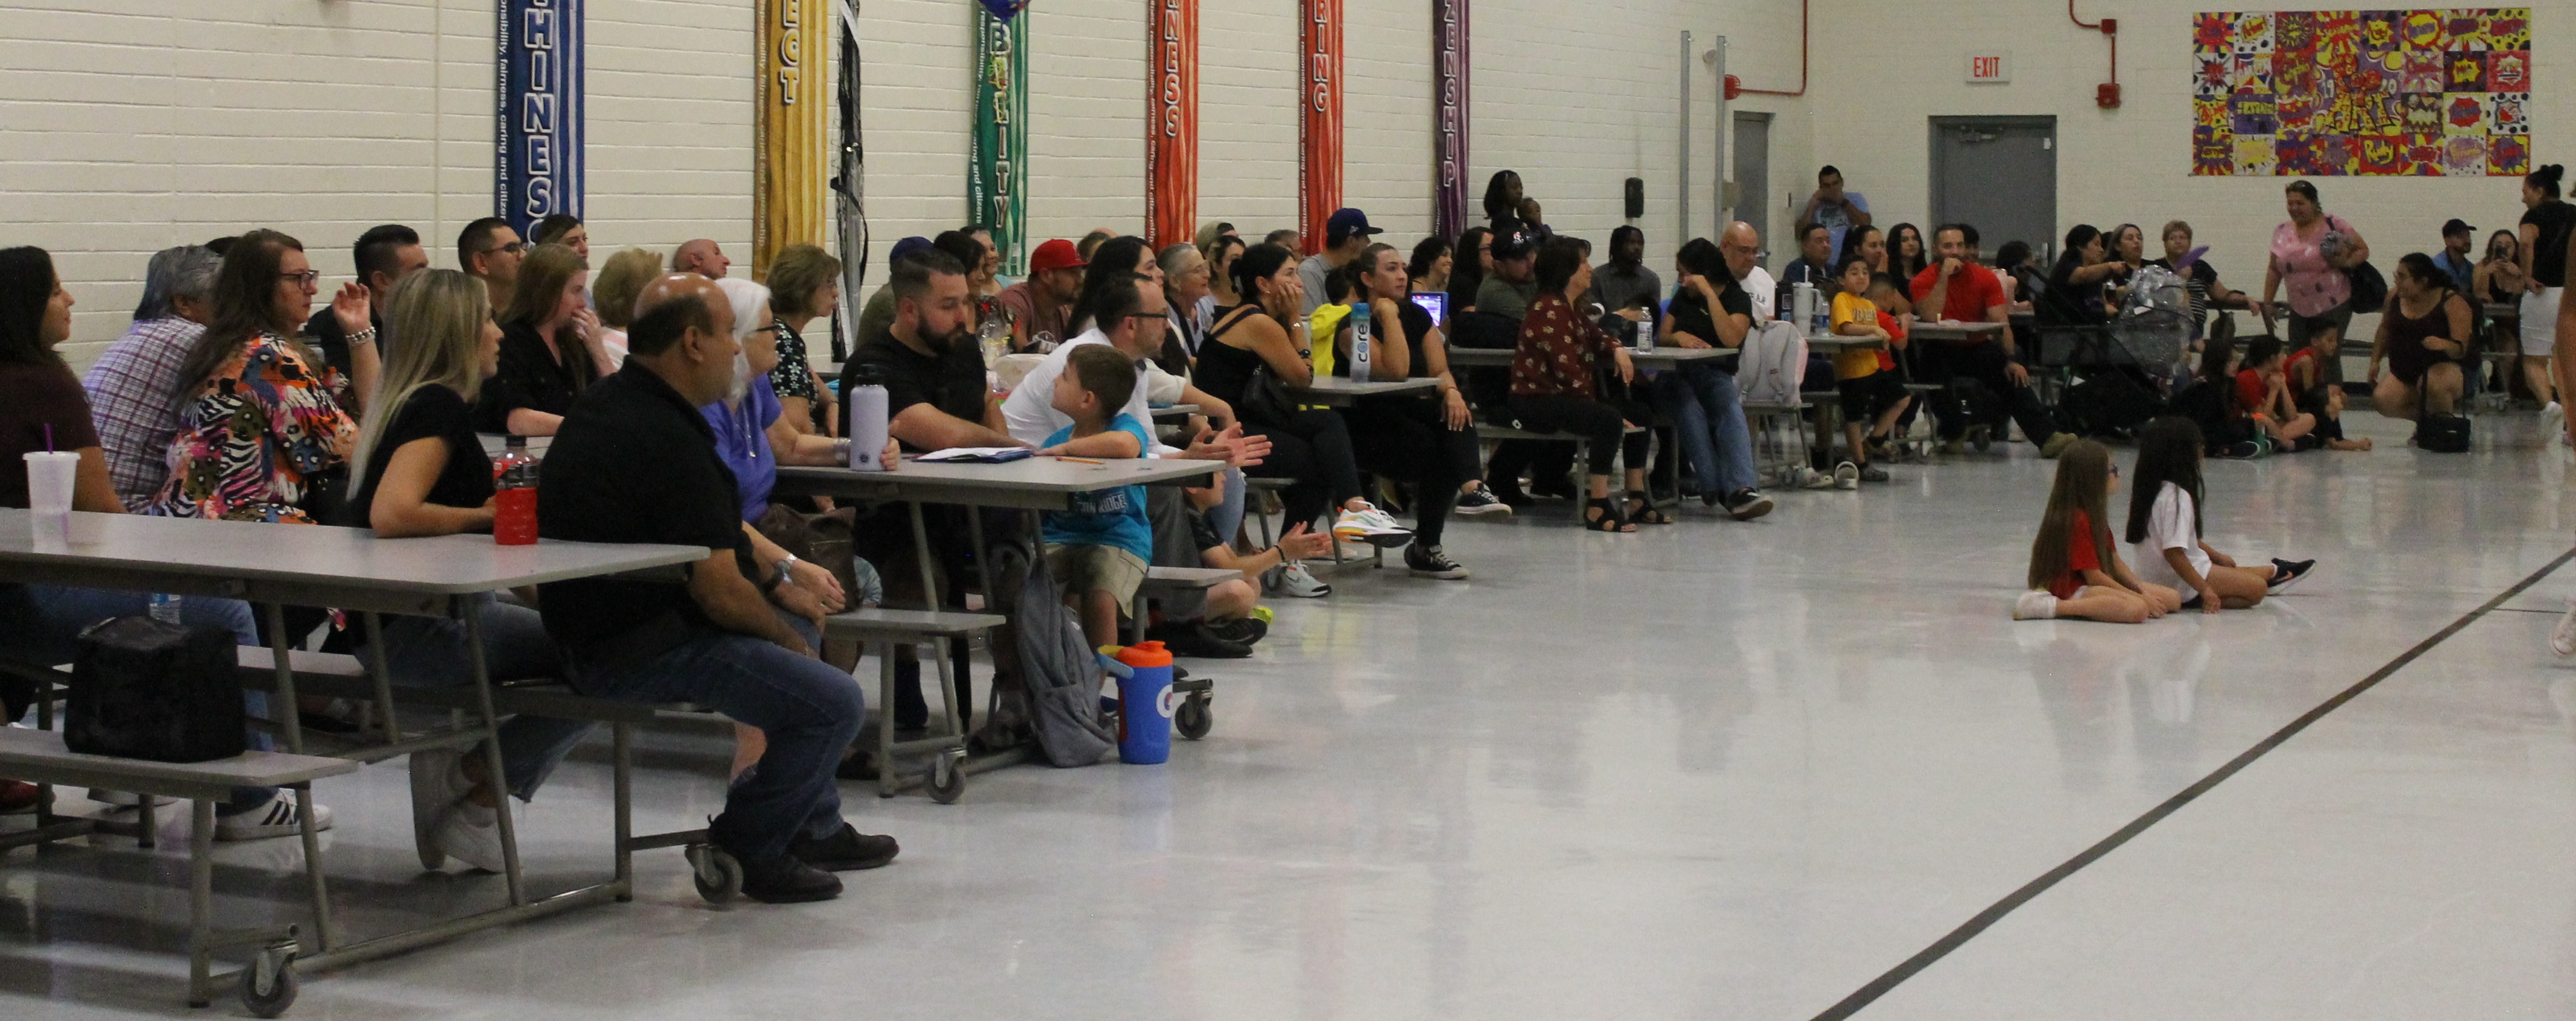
column 514, row 476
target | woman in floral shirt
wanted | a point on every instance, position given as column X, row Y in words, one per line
column 264, row 434
column 1554, row 387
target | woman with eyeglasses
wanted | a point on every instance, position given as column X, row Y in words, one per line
column 265, row 430
column 547, row 339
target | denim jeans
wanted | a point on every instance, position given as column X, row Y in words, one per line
column 45, row 621
column 1227, row 516
column 429, row 652
column 1707, row 409
column 808, row 710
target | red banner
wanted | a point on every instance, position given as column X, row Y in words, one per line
column 1319, row 119
column 1172, row 123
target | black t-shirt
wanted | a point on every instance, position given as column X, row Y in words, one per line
column 1203, row 535
column 323, row 331
column 952, row 381
column 2066, row 302
column 2549, row 249
column 1417, row 325
column 431, row 412
column 531, row 377
column 634, row 463
column 1691, row 314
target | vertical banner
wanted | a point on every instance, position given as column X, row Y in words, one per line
column 1449, row 117
column 997, row 175
column 1319, row 119
column 787, row 147
column 537, row 150
column 849, row 206
column 1172, row 123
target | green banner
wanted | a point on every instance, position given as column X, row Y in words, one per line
column 997, row 171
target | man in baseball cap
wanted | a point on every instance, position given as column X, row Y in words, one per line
column 2457, row 237
column 1346, row 235
column 1041, row 305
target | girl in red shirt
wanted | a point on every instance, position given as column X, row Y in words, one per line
column 2075, row 567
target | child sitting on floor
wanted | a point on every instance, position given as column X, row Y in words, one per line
column 2324, row 401
column 1098, row 549
column 2164, row 527
column 2075, row 568
column 2263, row 393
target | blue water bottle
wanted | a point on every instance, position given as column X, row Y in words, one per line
column 1145, row 704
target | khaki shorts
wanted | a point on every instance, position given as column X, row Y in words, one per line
column 1086, row 569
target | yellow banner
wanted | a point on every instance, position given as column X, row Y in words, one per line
column 789, row 181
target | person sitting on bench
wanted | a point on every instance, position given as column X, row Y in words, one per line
column 635, row 462
column 421, row 470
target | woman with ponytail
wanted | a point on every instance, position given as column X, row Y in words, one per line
column 2546, row 226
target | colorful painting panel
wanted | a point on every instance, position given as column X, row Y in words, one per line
column 2394, row 93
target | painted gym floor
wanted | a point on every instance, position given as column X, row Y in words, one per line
column 1803, row 767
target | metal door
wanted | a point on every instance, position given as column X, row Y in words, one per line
column 1999, row 174
column 1752, row 172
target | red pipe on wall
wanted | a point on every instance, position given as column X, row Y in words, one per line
column 1802, row 56
column 2107, row 95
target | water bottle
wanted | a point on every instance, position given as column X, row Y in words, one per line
column 994, row 337
column 1145, row 704
column 867, row 428
column 514, row 479
column 1360, row 340
column 165, row 607
column 1803, row 306
column 1646, row 332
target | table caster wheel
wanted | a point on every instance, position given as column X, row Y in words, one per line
column 1192, row 719
column 268, row 984
column 718, row 875
column 948, row 777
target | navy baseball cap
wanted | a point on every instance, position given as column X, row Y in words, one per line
column 907, row 248
column 1345, row 223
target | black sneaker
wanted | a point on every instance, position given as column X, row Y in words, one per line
column 787, row 879
column 2243, row 450
column 1246, row 630
column 1747, row 504
column 1426, row 561
column 2286, row 573
column 846, row 851
column 1190, row 638
column 1481, row 501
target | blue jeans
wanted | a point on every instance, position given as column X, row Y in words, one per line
column 429, row 652
column 1227, row 516
column 1708, row 411
column 45, row 621
column 808, row 710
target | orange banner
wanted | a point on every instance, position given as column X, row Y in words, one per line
column 1172, row 123
column 1319, row 119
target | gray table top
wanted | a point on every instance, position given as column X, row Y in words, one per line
column 1170, row 411
column 1662, row 356
column 1338, row 386
column 1037, row 483
column 134, row 551
column 1832, row 342
column 1953, row 331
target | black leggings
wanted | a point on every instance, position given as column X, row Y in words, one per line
column 1313, row 451
column 1406, row 439
column 1601, row 423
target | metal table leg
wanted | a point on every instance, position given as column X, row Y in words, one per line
column 492, row 768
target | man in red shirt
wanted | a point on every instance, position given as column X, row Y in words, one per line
column 1957, row 289
column 1041, row 304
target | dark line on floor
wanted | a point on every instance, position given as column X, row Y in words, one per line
column 1986, row 919
column 2528, row 609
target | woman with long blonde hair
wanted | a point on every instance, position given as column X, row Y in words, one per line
column 420, row 470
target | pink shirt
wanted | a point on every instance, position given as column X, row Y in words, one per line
column 2314, row 287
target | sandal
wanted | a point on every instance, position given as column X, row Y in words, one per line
column 1643, row 511
column 1601, row 515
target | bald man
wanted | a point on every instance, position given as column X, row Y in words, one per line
column 635, row 462
column 702, row 257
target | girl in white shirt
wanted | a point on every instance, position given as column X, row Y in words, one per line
column 2164, row 527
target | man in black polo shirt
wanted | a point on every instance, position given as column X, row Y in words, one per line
column 636, row 463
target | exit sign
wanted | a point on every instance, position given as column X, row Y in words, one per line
column 1989, row 68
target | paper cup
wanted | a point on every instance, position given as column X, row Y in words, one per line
column 49, row 489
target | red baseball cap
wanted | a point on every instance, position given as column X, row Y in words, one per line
column 1055, row 254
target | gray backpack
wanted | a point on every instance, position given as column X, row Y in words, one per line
column 1057, row 664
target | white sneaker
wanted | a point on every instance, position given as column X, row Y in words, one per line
column 1296, row 580
column 2562, row 639
column 435, row 785
column 1370, row 525
column 2035, row 604
column 2556, row 412
column 278, row 818
column 471, row 833
column 1846, row 476
column 1809, row 478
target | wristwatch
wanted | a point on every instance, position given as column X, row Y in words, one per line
column 784, row 565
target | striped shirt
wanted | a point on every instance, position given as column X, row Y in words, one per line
column 134, row 398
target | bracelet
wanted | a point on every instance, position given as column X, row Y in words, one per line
column 365, row 336
column 841, row 450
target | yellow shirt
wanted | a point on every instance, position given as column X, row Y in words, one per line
column 1855, row 362
column 1319, row 328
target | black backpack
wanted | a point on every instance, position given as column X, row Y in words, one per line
column 143, row 689
column 2442, row 434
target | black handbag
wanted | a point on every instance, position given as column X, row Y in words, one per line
column 144, row 689
column 1265, row 400
column 2369, row 289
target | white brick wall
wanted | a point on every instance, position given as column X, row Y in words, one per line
column 2131, row 165
column 131, row 125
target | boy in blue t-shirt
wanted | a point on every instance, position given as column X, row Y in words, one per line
column 1098, row 550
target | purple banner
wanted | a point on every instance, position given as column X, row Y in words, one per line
column 1449, row 116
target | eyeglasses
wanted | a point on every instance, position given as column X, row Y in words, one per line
column 513, row 248
column 307, row 278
